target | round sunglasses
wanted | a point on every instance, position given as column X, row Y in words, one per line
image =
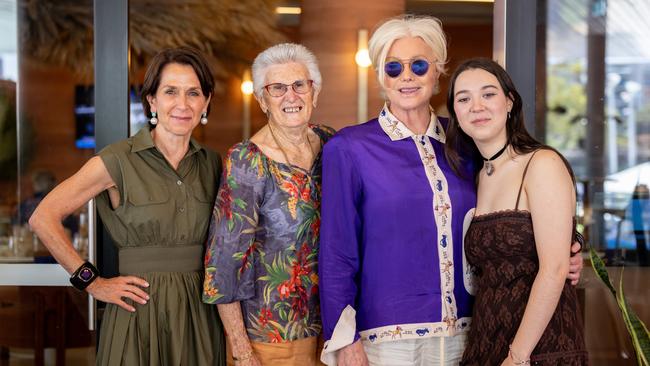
column 394, row 68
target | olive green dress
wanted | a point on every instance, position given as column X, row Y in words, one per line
column 160, row 229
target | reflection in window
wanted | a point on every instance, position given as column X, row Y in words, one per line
column 46, row 121
column 609, row 197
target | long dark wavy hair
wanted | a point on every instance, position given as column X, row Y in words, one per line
column 517, row 135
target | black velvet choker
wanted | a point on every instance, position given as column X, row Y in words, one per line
column 489, row 167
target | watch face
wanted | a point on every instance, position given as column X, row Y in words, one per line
column 85, row 274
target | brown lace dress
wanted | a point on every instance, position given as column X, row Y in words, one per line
column 501, row 246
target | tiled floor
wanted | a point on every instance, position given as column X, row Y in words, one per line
column 73, row 357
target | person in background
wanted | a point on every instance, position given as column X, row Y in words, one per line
column 261, row 264
column 639, row 213
column 154, row 193
column 43, row 181
column 395, row 286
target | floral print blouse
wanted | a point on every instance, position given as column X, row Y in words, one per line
column 263, row 243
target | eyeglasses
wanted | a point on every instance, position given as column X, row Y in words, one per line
column 298, row 86
column 394, row 68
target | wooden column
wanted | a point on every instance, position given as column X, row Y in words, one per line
column 329, row 29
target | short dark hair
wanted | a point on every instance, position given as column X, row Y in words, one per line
column 181, row 55
column 517, row 135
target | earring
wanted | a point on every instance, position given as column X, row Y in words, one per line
column 508, row 114
column 204, row 118
column 153, row 120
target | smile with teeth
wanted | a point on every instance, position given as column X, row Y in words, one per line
column 291, row 109
column 412, row 89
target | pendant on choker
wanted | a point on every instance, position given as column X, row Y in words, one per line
column 489, row 166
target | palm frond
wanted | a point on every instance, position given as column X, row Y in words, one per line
column 229, row 32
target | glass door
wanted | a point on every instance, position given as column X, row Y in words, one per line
column 598, row 94
column 47, row 132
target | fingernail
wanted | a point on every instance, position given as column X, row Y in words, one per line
column 147, row 297
column 133, row 310
column 146, row 284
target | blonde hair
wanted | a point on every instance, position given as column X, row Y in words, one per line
column 428, row 28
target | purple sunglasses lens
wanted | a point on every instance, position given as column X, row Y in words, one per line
column 393, row 69
column 419, row 67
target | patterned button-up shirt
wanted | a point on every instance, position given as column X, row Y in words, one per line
column 263, row 244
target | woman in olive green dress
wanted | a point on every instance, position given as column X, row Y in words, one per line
column 154, row 193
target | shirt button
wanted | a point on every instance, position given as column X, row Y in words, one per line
column 182, row 209
column 179, row 182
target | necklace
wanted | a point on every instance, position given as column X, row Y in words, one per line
column 489, row 167
column 284, row 153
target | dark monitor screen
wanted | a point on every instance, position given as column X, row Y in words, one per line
column 137, row 119
column 84, row 112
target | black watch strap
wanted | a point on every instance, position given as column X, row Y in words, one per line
column 84, row 276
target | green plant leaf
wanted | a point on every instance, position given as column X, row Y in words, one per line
column 231, row 225
column 279, row 327
column 212, row 299
column 232, row 182
column 599, row 267
column 635, row 327
column 240, row 203
column 277, row 271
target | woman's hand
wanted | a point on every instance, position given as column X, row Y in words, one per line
column 575, row 263
column 510, row 362
column 251, row 361
column 237, row 336
column 113, row 290
column 352, row 355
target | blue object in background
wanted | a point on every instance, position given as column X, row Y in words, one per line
column 640, row 207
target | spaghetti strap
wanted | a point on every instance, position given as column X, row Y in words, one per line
column 523, row 176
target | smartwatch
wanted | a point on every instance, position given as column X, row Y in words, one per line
column 84, row 276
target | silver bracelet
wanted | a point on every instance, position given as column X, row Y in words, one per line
column 516, row 360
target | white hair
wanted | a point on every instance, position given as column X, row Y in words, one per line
column 426, row 27
column 283, row 54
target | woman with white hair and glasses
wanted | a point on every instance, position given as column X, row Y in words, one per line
column 261, row 262
column 395, row 286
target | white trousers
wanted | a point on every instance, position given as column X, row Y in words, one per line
column 432, row 351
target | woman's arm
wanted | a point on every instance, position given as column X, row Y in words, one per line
column 551, row 200
column 71, row 194
column 338, row 257
column 233, row 323
column 231, row 247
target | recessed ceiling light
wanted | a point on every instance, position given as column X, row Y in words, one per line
column 294, row 10
column 467, row 1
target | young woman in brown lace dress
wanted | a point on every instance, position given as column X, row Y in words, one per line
column 519, row 240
